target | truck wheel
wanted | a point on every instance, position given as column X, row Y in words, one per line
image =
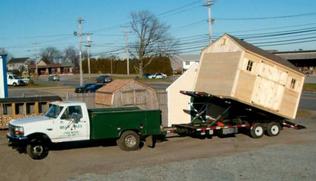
column 273, row 129
column 129, row 141
column 256, row 130
column 37, row 149
column 14, row 84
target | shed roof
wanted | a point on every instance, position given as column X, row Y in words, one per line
column 262, row 52
column 117, row 84
column 114, row 85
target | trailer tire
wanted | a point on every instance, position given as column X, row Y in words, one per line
column 273, row 129
column 256, row 130
column 37, row 149
column 129, row 141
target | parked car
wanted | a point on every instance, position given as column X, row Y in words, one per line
column 147, row 75
column 26, row 80
column 53, row 77
column 14, row 80
column 104, row 79
column 82, row 89
column 93, row 87
column 157, row 76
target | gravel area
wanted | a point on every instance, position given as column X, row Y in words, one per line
column 281, row 162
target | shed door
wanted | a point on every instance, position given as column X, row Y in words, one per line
column 269, row 87
column 267, row 94
column 134, row 97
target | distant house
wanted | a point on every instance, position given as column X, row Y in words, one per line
column 18, row 64
column 185, row 61
column 44, row 67
column 305, row 60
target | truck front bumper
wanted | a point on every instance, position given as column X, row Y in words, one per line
column 17, row 141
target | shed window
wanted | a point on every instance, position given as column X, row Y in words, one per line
column 293, row 82
column 249, row 65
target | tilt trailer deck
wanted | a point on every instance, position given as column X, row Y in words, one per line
column 212, row 115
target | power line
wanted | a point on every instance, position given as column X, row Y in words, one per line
column 268, row 17
column 178, row 8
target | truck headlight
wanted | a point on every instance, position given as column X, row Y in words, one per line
column 19, row 131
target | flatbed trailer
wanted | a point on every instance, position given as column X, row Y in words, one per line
column 212, row 115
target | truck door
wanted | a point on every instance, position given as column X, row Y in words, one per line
column 73, row 124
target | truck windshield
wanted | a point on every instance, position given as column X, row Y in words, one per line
column 53, row 111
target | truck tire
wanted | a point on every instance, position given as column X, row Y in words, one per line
column 129, row 141
column 14, row 84
column 37, row 149
column 273, row 129
column 256, row 130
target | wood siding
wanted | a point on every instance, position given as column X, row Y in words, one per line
column 244, row 86
column 217, row 73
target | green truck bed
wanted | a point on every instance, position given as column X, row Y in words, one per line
column 108, row 123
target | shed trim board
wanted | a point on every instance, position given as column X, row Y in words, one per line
column 237, row 74
column 300, row 94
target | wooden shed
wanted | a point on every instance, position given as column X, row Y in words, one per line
column 232, row 68
column 127, row 92
column 178, row 102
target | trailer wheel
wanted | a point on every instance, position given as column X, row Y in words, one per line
column 37, row 149
column 129, row 141
column 256, row 130
column 273, row 129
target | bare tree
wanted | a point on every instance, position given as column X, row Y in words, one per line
column 153, row 38
column 50, row 54
column 71, row 55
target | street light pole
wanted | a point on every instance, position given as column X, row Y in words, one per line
column 88, row 52
column 79, row 34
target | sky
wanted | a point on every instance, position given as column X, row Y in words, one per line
column 28, row 26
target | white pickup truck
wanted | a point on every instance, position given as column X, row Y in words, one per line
column 72, row 121
column 13, row 80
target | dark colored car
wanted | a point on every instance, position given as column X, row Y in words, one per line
column 93, row 87
column 104, row 79
column 82, row 89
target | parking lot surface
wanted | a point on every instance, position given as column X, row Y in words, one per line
column 289, row 156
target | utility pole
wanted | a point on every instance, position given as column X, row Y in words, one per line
column 208, row 4
column 126, row 49
column 79, row 34
column 88, row 45
column 127, row 53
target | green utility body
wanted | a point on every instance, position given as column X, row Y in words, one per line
column 108, row 123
